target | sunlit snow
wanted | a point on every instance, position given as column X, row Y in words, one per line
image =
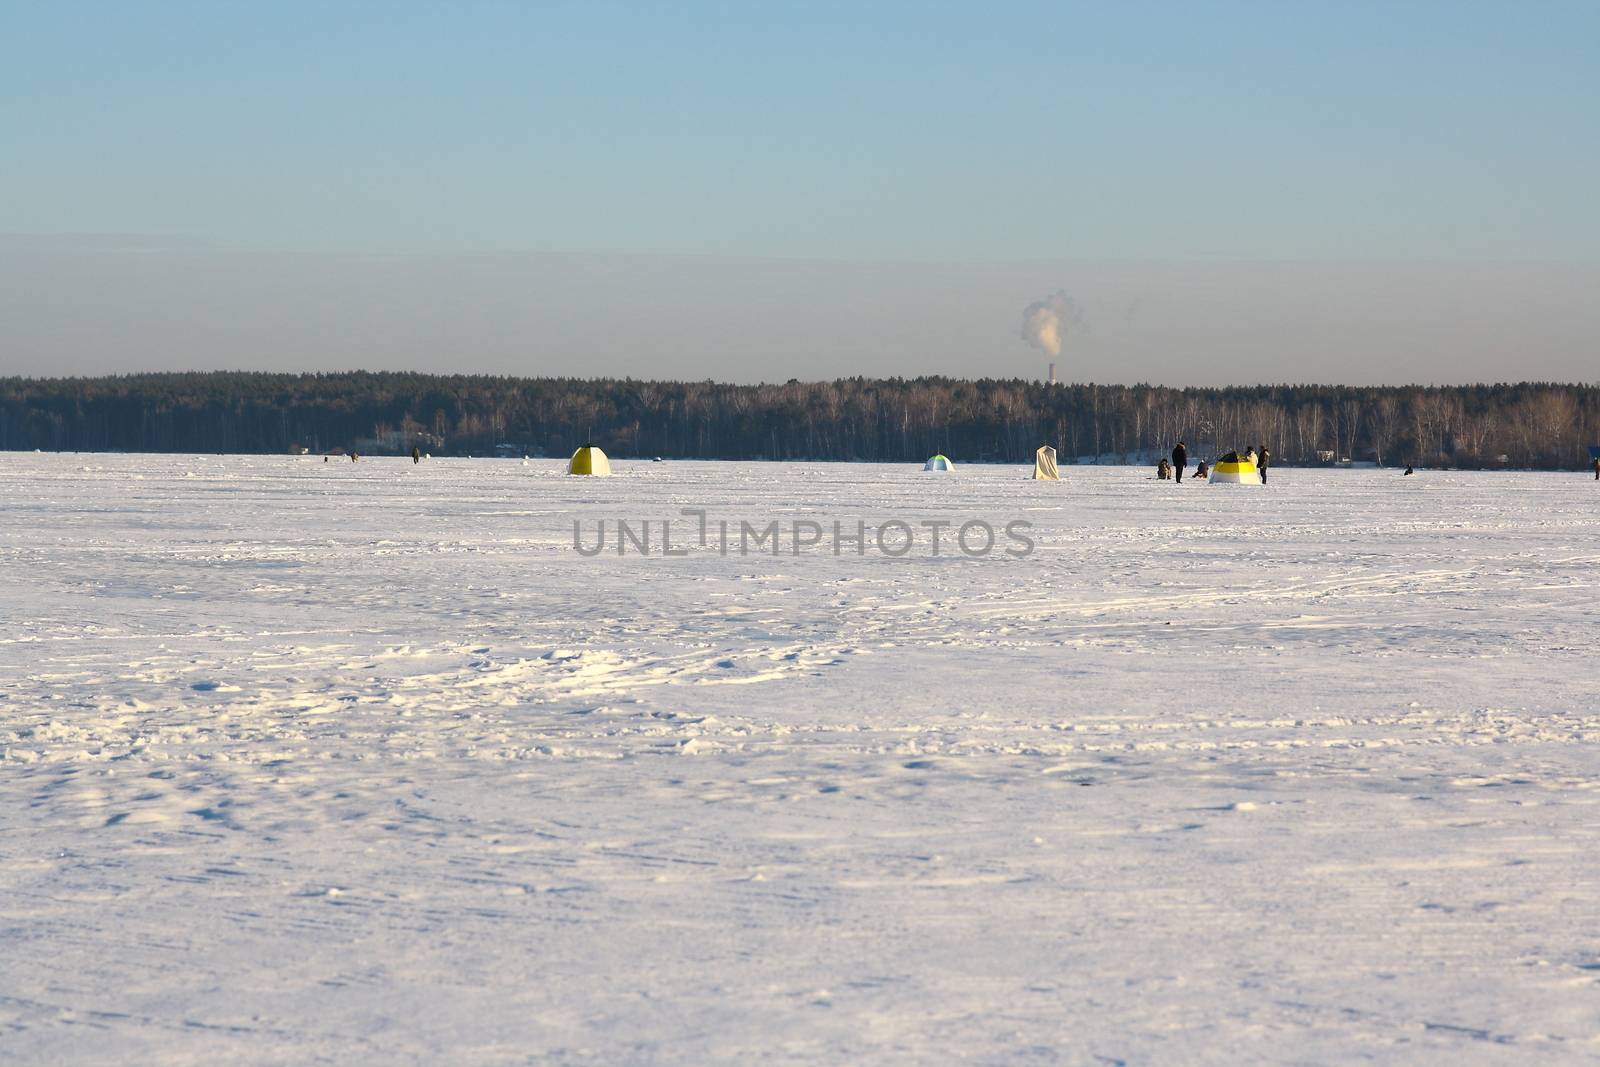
column 363, row 762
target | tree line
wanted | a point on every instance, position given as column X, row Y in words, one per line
column 1527, row 424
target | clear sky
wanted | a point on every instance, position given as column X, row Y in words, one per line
column 1230, row 191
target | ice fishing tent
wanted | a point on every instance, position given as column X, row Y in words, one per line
column 938, row 463
column 1044, row 464
column 589, row 460
column 1236, row 470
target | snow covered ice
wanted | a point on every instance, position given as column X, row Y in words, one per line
column 363, row 763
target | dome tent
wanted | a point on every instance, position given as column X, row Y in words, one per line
column 938, row 463
column 1236, row 470
column 589, row 460
column 1044, row 464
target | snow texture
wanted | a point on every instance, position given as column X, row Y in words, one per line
column 362, row 763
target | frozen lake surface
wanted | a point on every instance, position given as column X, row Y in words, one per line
column 363, row 763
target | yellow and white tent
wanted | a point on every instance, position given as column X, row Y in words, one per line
column 589, row 460
column 1238, row 470
column 938, row 463
column 1044, row 464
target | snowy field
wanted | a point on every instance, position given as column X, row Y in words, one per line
column 363, row 763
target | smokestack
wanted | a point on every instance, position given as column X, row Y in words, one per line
column 1052, row 374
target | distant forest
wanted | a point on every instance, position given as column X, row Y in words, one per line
column 1530, row 424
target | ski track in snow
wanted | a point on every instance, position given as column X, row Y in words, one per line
column 336, row 763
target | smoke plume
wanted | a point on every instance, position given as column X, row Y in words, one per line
column 1045, row 321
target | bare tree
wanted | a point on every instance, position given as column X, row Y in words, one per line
column 1352, row 425
column 1385, row 426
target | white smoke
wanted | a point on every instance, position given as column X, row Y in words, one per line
column 1045, row 321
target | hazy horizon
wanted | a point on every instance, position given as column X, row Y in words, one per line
column 155, row 304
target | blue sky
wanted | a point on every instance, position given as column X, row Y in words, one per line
column 917, row 134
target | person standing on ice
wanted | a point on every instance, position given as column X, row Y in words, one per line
column 1180, row 457
column 416, row 454
column 1597, row 468
column 1261, row 462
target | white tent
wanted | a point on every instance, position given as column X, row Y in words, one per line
column 938, row 463
column 1044, row 464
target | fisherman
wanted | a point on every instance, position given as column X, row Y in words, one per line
column 354, row 456
column 1164, row 469
column 1261, row 462
column 1180, row 458
column 1201, row 471
column 1597, row 468
column 416, row 454
column 1409, row 470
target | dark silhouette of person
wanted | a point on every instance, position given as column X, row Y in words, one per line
column 1180, row 458
column 416, row 454
column 1597, row 468
column 1261, row 462
column 1409, row 470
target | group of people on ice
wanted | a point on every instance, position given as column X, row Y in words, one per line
column 1256, row 458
